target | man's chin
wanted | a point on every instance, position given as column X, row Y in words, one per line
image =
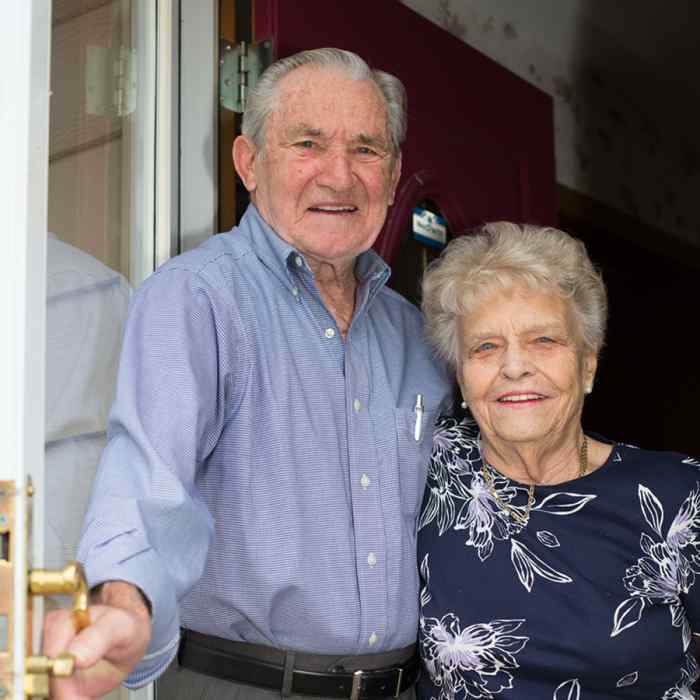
column 334, row 245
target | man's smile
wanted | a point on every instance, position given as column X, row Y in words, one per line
column 333, row 209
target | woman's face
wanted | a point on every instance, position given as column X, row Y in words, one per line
column 521, row 370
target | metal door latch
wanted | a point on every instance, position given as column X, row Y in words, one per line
column 69, row 581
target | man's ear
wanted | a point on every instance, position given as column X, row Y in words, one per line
column 244, row 154
column 395, row 176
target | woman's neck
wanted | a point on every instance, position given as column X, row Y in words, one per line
column 541, row 462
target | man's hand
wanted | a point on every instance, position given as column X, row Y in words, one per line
column 106, row 651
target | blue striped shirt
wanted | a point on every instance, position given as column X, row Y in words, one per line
column 262, row 477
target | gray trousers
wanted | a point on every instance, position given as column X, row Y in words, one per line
column 182, row 684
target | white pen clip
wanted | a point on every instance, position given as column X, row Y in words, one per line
column 419, row 417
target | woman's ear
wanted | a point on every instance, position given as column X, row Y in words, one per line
column 462, row 391
column 244, row 154
column 590, row 365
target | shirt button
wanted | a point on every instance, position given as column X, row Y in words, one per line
column 371, row 560
column 364, row 481
column 295, row 292
column 298, row 261
column 329, row 333
column 373, row 639
column 357, row 405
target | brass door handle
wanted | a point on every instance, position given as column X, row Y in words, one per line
column 39, row 669
column 60, row 667
column 70, row 581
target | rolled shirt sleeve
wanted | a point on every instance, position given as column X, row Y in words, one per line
column 146, row 523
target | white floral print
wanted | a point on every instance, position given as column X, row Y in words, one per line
column 668, row 566
column 459, row 498
column 689, row 674
column 481, row 626
column 628, row 679
column 568, row 690
column 471, row 662
column 548, row 539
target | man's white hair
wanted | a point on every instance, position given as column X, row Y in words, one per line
column 262, row 99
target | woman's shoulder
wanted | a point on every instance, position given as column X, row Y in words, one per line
column 463, row 424
column 660, row 461
column 672, row 474
column 455, row 430
column 455, row 441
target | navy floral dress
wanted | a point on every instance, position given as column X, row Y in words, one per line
column 591, row 596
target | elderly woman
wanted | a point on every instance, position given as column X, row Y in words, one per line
column 555, row 564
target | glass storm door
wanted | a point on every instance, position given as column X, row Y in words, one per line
column 87, row 185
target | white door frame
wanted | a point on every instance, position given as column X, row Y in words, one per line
column 25, row 36
column 199, row 113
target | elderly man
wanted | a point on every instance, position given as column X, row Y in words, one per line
column 270, row 435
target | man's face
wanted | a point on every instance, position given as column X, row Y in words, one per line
column 326, row 175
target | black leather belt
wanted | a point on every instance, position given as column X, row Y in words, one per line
column 196, row 654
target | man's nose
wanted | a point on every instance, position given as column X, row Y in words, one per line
column 336, row 170
column 516, row 362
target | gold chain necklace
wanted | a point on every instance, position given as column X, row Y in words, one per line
column 512, row 512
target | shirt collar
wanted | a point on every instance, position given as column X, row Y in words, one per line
column 282, row 258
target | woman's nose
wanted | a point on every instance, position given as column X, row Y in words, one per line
column 516, row 363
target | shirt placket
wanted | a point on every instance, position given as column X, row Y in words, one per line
column 368, row 519
column 362, row 462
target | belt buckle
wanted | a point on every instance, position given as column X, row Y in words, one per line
column 356, row 685
column 398, row 683
column 356, row 688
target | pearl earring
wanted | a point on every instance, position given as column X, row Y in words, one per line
column 463, row 404
column 589, row 389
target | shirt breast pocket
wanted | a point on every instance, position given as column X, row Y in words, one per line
column 413, row 456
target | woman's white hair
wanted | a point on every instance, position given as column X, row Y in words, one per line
column 263, row 98
column 499, row 255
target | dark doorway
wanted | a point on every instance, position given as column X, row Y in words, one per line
column 414, row 256
column 648, row 383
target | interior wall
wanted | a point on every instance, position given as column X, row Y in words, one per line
column 626, row 102
column 87, row 146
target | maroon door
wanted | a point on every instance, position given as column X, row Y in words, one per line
column 480, row 140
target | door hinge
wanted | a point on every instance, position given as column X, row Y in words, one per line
column 110, row 77
column 240, row 66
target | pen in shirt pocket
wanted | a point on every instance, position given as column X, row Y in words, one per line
column 418, row 408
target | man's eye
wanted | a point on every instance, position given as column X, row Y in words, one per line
column 367, row 153
column 484, row 347
column 545, row 340
column 305, row 145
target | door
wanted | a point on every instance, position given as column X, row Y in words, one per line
column 24, row 54
column 87, row 186
column 480, row 144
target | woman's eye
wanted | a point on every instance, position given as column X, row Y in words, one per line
column 305, row 144
column 544, row 339
column 484, row 347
